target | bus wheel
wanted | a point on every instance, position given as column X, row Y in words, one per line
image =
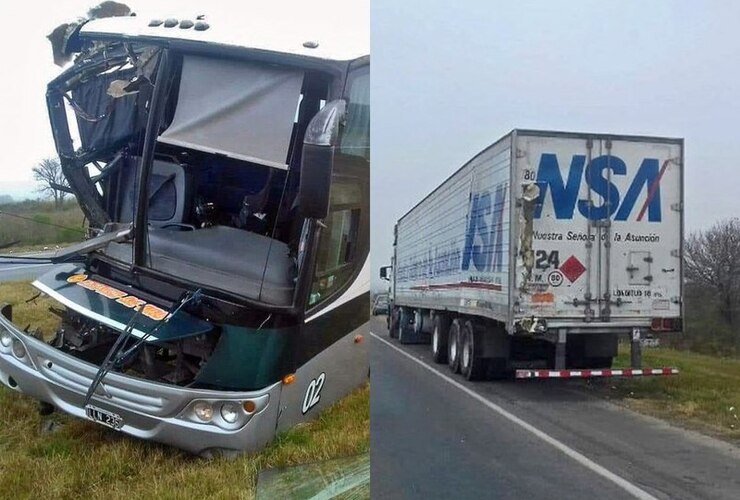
column 440, row 338
column 472, row 366
column 453, row 346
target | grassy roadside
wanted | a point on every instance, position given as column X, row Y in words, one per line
column 39, row 224
column 705, row 396
column 25, row 249
column 80, row 459
column 33, row 314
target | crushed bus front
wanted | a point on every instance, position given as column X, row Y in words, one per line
column 141, row 408
column 222, row 293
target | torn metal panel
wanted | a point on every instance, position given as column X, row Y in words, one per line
column 530, row 195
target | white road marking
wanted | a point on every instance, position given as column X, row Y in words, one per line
column 565, row 449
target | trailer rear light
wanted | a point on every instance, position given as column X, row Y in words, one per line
column 665, row 324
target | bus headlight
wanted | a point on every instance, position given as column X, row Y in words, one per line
column 203, row 411
column 229, row 412
column 5, row 338
column 18, row 349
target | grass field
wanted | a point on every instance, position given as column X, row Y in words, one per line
column 705, row 395
column 81, row 459
column 36, row 224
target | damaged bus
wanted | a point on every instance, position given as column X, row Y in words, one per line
column 222, row 294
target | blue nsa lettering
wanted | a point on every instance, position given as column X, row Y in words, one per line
column 485, row 224
column 564, row 193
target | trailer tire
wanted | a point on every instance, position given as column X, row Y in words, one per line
column 453, row 346
column 472, row 365
column 440, row 338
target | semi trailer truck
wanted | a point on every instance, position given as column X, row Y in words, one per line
column 540, row 253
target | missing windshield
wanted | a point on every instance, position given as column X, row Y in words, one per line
column 225, row 171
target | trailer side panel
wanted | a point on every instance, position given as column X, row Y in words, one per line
column 452, row 249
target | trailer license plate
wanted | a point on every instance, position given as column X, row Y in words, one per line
column 105, row 417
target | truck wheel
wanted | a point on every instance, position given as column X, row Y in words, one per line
column 453, row 346
column 440, row 338
column 472, row 366
column 405, row 329
column 393, row 323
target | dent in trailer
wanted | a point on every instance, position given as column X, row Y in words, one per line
column 527, row 202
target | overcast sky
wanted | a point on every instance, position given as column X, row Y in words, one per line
column 27, row 63
column 447, row 82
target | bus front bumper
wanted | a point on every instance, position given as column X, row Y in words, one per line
column 140, row 408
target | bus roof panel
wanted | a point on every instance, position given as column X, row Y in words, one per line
column 338, row 38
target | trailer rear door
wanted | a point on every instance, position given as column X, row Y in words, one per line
column 600, row 239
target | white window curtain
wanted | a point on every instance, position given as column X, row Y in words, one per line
column 240, row 109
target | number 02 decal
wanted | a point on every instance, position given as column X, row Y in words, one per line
column 313, row 393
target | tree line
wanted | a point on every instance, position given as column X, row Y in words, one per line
column 712, row 289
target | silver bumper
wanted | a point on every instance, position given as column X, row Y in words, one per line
column 149, row 410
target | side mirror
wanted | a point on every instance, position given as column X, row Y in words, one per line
column 385, row 273
column 318, row 160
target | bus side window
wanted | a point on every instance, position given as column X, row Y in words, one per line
column 355, row 140
column 344, row 241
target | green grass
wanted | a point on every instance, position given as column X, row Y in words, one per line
column 32, row 249
column 81, row 459
column 38, row 224
column 33, row 314
column 705, row 395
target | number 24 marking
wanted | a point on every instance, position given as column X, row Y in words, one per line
column 546, row 260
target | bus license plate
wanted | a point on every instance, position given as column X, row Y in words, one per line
column 105, row 417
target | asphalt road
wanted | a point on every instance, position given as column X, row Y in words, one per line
column 435, row 435
column 13, row 270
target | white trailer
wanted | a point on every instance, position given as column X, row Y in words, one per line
column 540, row 252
